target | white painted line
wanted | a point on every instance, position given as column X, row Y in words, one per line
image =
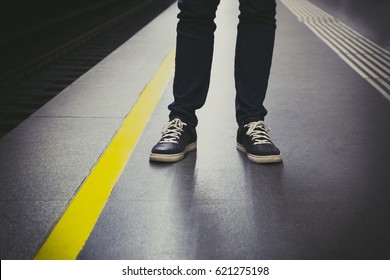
column 381, row 90
column 355, row 49
column 340, row 54
column 375, row 48
column 351, row 60
column 368, row 59
column 345, row 51
column 373, row 56
column 382, row 50
column 385, row 83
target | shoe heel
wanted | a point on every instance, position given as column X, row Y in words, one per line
column 240, row 148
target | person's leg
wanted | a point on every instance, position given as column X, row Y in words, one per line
column 254, row 49
column 194, row 52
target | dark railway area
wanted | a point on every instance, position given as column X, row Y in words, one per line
column 45, row 47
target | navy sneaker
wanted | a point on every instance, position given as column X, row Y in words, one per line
column 177, row 140
column 253, row 139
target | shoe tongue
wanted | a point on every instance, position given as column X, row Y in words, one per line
column 178, row 122
column 256, row 126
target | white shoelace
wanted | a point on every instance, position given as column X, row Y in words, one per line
column 171, row 131
column 259, row 132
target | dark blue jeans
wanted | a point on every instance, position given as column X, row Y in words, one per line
column 194, row 52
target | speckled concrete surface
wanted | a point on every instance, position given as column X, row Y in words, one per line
column 327, row 200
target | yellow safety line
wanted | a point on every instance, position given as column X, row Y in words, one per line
column 69, row 235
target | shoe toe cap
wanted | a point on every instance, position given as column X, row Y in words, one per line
column 265, row 150
column 167, row 148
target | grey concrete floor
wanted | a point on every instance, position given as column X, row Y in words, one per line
column 329, row 199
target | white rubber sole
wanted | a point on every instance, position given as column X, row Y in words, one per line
column 172, row 157
column 259, row 159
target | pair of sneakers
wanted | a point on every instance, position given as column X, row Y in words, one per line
column 178, row 139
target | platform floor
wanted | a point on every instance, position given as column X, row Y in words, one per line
column 329, row 199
